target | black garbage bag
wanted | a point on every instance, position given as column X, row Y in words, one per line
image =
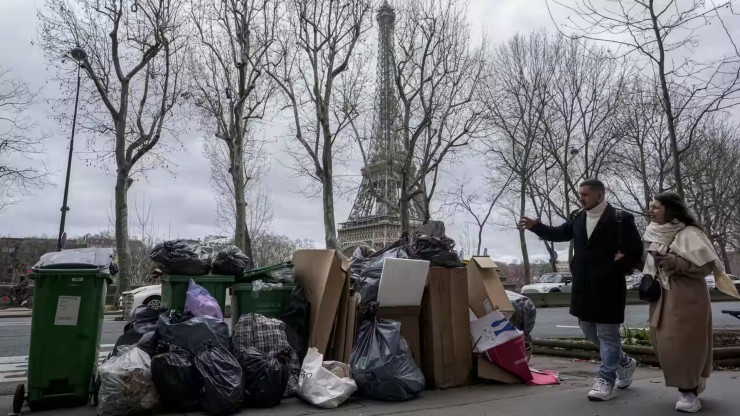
column 143, row 321
column 358, row 259
column 525, row 314
column 266, row 376
column 193, row 334
column 382, row 364
column 152, row 344
column 231, row 261
column 439, row 251
column 178, row 257
column 177, row 380
column 222, row 391
column 268, row 336
column 297, row 318
column 367, row 281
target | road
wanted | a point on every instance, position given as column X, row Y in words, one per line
column 558, row 323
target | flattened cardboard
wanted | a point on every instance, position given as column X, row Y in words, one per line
column 352, row 324
column 485, row 290
column 340, row 326
column 408, row 316
column 445, row 329
column 323, row 274
column 491, row 371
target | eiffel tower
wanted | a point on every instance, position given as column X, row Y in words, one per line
column 374, row 220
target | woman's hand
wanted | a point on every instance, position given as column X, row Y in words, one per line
column 667, row 262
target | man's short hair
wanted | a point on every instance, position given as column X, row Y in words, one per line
column 595, row 184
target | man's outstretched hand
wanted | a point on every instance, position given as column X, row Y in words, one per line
column 527, row 223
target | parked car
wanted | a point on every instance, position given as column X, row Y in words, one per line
column 633, row 281
column 712, row 285
column 551, row 283
column 143, row 296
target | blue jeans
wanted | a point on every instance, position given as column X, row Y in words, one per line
column 609, row 341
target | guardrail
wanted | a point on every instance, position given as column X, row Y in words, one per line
column 556, row 300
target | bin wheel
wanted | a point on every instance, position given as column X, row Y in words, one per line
column 19, row 398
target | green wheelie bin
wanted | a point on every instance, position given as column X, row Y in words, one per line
column 69, row 302
column 175, row 289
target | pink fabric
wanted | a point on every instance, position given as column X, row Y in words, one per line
column 543, row 378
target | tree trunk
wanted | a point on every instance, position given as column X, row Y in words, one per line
column 522, row 233
column 122, row 249
column 327, row 186
column 480, row 239
column 236, row 150
column 404, row 203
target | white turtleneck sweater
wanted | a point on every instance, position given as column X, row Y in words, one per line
column 592, row 217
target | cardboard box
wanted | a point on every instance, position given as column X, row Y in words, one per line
column 486, row 293
column 445, row 329
column 491, row 371
column 337, row 343
column 408, row 316
column 323, row 275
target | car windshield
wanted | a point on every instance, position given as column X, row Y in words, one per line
column 552, row 278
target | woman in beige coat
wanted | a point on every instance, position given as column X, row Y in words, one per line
column 680, row 256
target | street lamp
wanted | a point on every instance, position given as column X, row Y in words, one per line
column 79, row 55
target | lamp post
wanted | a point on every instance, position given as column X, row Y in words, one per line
column 79, row 55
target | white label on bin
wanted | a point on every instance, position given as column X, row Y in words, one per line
column 68, row 309
column 77, row 279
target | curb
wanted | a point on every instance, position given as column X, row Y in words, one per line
column 29, row 314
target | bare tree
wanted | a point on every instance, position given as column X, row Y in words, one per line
column 437, row 77
column 478, row 205
column 271, row 249
column 316, row 48
column 133, row 60
column 713, row 189
column 515, row 94
column 232, row 90
column 642, row 163
column 661, row 32
column 18, row 141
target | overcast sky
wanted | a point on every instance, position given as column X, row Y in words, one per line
column 182, row 203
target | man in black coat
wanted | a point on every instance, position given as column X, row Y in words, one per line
column 607, row 247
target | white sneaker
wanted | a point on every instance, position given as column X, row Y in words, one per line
column 625, row 373
column 688, row 403
column 601, row 391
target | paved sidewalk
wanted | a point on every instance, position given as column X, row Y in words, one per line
column 647, row 397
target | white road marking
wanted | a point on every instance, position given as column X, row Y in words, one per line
column 15, row 323
column 14, row 369
column 568, row 326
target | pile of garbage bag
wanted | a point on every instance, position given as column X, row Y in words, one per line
column 381, row 360
column 366, row 265
column 179, row 258
column 231, row 261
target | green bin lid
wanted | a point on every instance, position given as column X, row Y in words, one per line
column 206, row 278
column 263, row 270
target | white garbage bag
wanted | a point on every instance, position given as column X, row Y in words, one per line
column 325, row 384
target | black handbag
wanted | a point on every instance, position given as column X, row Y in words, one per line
column 649, row 289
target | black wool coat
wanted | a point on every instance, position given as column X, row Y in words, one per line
column 599, row 289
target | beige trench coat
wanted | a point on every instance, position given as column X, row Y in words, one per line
column 681, row 326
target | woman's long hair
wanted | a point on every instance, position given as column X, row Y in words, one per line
column 675, row 208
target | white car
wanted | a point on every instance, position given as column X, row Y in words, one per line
column 712, row 285
column 143, row 296
column 551, row 283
